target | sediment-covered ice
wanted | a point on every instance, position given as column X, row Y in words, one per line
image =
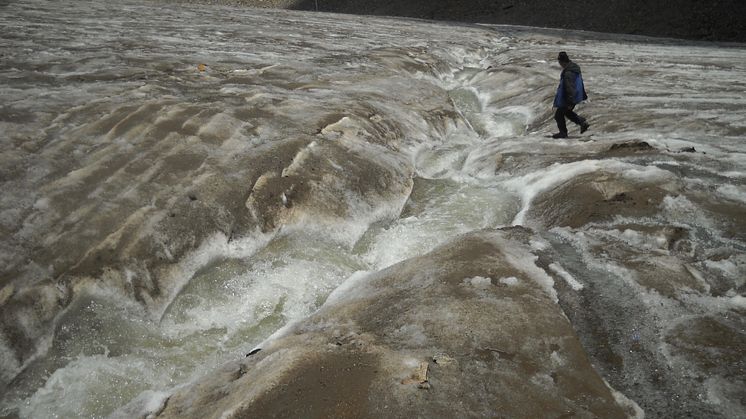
column 418, row 340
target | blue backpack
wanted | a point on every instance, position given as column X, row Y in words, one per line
column 580, row 95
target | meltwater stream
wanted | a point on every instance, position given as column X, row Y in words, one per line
column 180, row 182
column 106, row 351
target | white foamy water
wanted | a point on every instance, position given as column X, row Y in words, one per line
column 109, row 124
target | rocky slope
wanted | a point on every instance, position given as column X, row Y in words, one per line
column 685, row 19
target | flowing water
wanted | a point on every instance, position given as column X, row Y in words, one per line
column 143, row 129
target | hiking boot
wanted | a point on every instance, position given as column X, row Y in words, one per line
column 560, row 135
column 584, row 127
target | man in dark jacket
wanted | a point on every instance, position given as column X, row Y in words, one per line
column 570, row 92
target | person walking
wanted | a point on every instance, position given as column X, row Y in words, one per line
column 570, row 92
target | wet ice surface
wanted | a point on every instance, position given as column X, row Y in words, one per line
column 122, row 155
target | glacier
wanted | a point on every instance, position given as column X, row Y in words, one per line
column 374, row 205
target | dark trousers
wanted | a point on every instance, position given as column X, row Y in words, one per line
column 566, row 112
